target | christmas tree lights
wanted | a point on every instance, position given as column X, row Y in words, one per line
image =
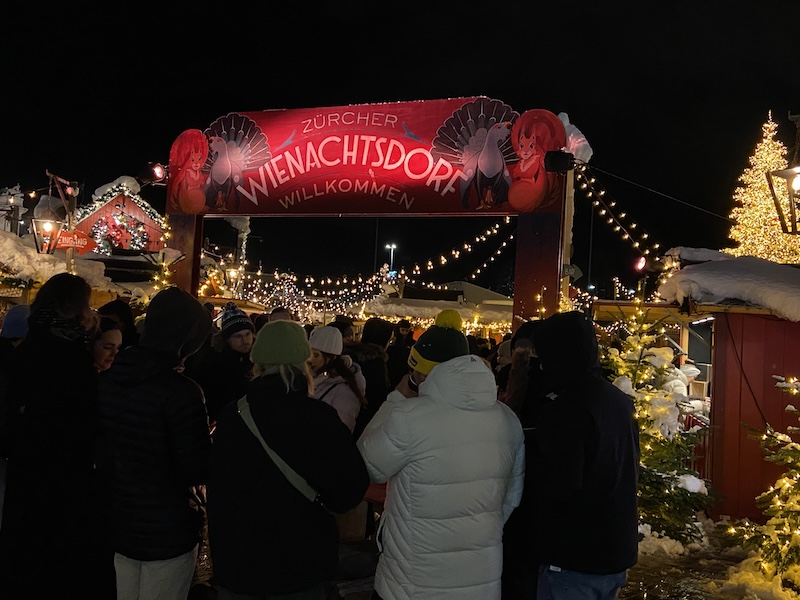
column 777, row 542
column 756, row 225
column 670, row 493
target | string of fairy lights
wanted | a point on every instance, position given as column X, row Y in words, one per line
column 223, row 276
column 606, row 208
column 344, row 292
column 458, row 253
column 307, row 294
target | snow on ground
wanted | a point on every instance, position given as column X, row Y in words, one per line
column 722, row 278
column 741, row 580
column 746, row 581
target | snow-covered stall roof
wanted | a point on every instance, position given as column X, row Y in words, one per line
column 22, row 267
column 474, row 302
column 723, row 279
column 19, row 261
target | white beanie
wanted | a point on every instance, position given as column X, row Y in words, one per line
column 327, row 339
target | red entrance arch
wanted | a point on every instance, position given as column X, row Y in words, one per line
column 430, row 158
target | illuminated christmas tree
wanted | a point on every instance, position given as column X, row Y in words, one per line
column 672, row 496
column 756, row 226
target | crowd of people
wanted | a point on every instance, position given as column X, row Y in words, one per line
column 135, row 453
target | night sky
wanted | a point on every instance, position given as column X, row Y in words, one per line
column 671, row 97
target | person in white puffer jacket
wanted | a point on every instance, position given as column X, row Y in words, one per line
column 454, row 460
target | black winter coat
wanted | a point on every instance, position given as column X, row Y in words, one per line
column 157, row 442
column 267, row 538
column 586, row 468
column 224, row 376
column 373, row 362
column 52, row 531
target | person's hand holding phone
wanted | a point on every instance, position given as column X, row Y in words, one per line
column 408, row 386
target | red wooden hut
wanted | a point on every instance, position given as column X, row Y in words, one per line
column 748, row 346
column 121, row 220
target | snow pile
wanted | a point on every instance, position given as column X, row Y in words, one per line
column 745, row 278
column 19, row 260
column 654, row 544
column 747, row 581
column 126, row 181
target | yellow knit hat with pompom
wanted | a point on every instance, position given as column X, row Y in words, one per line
column 449, row 317
column 441, row 341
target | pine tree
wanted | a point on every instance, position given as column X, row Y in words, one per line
column 777, row 542
column 671, row 495
column 756, row 226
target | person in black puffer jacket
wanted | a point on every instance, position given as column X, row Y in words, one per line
column 157, row 444
column 266, row 538
column 586, row 467
column 53, row 541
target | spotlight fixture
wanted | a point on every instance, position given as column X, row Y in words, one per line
column 154, row 173
column 558, row 161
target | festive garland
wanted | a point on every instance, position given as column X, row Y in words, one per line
column 107, row 234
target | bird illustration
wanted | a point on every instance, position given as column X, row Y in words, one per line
column 477, row 138
column 236, row 145
column 410, row 133
column 288, row 140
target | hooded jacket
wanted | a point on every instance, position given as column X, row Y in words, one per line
column 587, row 456
column 155, row 431
column 454, row 460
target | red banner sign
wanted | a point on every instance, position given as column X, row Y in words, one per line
column 453, row 156
column 77, row 240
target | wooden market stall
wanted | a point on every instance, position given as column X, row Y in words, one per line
column 748, row 345
column 486, row 313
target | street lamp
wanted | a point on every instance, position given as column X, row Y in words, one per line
column 45, row 234
column 391, row 248
column 790, row 179
column 68, row 191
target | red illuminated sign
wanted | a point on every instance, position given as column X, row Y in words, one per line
column 77, row 240
column 454, row 156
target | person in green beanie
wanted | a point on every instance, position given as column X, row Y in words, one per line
column 266, row 538
column 454, row 459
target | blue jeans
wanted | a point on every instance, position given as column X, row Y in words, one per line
column 572, row 585
column 316, row 593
